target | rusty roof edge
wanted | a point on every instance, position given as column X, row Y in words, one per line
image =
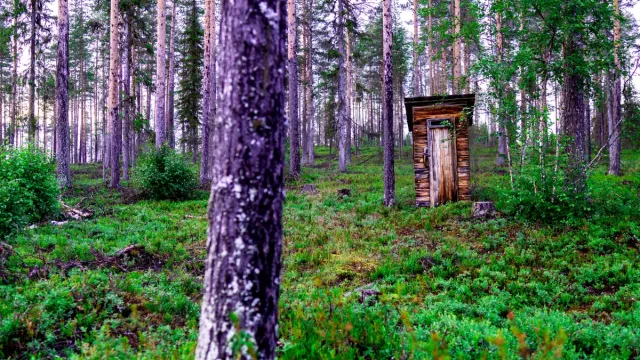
column 410, row 103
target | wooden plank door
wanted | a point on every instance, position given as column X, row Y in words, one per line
column 442, row 155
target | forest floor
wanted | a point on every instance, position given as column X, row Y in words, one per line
column 359, row 280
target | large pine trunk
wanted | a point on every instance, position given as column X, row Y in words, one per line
column 573, row 119
column 62, row 96
column 292, row 67
column 244, row 243
column 115, row 130
column 161, row 75
column 387, row 108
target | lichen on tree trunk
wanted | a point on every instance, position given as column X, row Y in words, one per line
column 244, row 241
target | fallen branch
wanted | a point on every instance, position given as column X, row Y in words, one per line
column 76, row 214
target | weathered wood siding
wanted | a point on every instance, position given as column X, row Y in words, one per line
column 421, row 115
column 420, row 166
column 464, row 159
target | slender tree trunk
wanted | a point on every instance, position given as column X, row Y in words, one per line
column 115, row 131
column 457, row 44
column 416, row 66
column 44, row 124
column 305, row 85
column 342, row 98
column 616, row 121
column 2, row 131
column 106, row 126
column 161, row 88
column 292, row 66
column 587, row 128
column 171, row 138
column 241, row 289
column 127, row 104
column 32, row 74
column 502, row 129
column 82, row 145
column 62, row 96
column 14, row 84
column 389, row 172
column 309, row 91
column 95, row 102
column 349, row 97
column 209, row 97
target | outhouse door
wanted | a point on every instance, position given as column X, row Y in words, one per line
column 442, row 161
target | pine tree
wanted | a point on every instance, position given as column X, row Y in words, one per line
column 189, row 95
column 245, row 208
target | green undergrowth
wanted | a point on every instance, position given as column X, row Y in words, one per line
column 359, row 280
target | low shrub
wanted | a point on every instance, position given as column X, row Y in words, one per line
column 28, row 188
column 164, row 175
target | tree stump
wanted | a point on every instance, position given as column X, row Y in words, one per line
column 483, row 210
column 309, row 189
column 344, row 193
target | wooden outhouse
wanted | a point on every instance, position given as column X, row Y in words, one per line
column 440, row 127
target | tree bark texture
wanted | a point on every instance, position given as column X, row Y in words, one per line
column 615, row 122
column 32, row 74
column 115, row 125
column 389, row 172
column 342, row 98
column 416, row 66
column 128, row 100
column 209, row 93
column 62, row 97
column 573, row 118
column 161, row 132
column 245, row 210
column 169, row 118
column 309, row 88
column 292, row 69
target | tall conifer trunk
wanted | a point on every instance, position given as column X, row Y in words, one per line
column 615, row 121
column 342, row 98
column 62, row 96
column 309, row 90
column 169, row 118
column 209, row 93
column 292, row 67
column 32, row 74
column 244, row 243
column 387, row 110
column 115, row 130
column 127, row 104
column 161, row 71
